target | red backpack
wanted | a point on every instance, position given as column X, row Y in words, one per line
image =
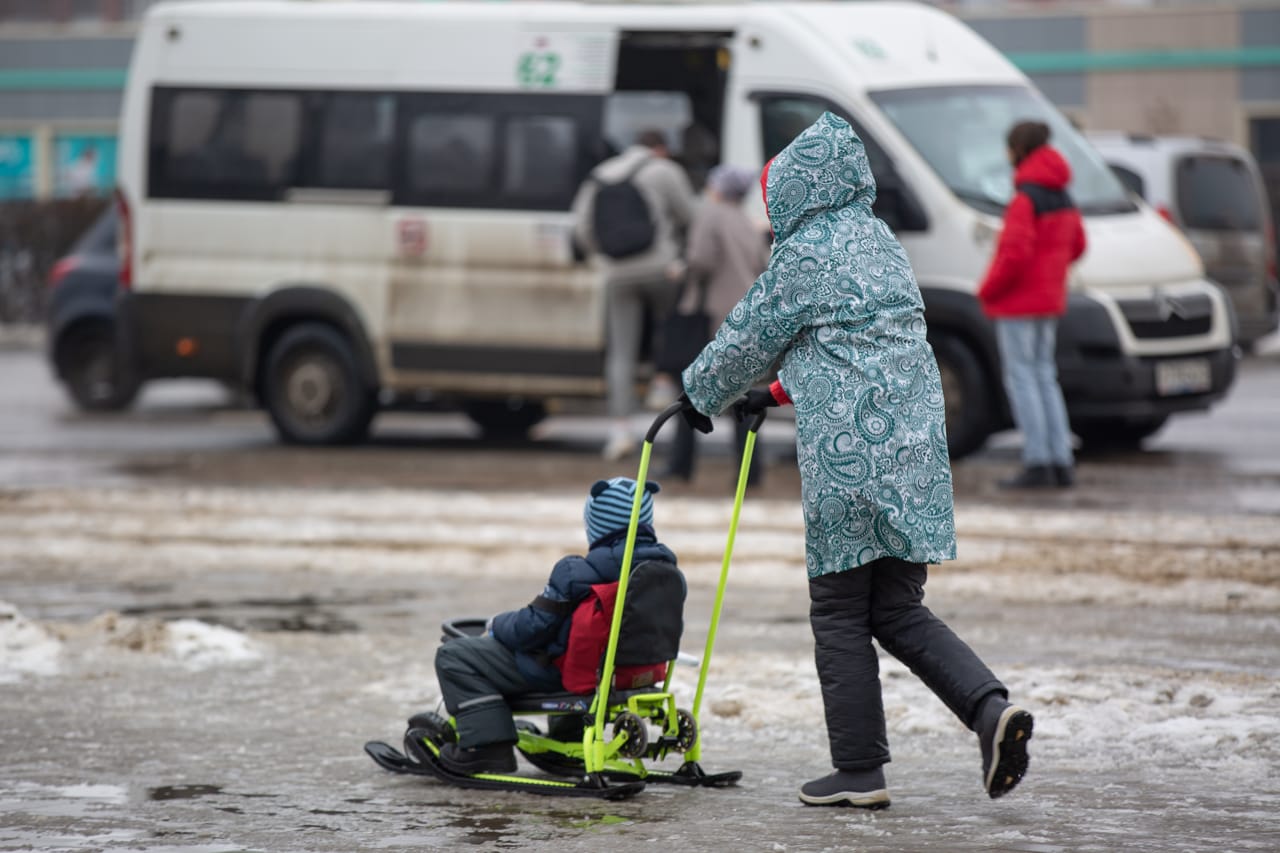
column 648, row 638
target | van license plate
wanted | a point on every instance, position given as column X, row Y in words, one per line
column 1184, row 376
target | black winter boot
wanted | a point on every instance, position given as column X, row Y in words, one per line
column 494, row 758
column 1032, row 477
column 1003, row 731
column 863, row 789
column 1064, row 476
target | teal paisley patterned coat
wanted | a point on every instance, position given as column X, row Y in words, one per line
column 840, row 306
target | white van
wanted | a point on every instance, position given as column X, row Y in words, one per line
column 1214, row 192
column 334, row 201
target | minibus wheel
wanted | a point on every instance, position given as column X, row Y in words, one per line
column 965, row 391
column 312, row 387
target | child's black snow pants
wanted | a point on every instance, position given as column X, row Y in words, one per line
column 475, row 675
column 884, row 600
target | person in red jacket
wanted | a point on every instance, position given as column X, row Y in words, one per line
column 1024, row 292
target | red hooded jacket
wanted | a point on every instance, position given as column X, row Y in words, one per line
column 1043, row 234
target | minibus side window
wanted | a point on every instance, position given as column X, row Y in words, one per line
column 783, row 117
column 228, row 144
column 353, row 142
column 451, row 155
column 541, row 158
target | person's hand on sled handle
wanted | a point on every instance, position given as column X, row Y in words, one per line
column 692, row 416
column 753, row 403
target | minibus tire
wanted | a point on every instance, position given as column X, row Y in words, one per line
column 968, row 397
column 310, row 358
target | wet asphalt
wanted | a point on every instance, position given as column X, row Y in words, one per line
column 112, row 525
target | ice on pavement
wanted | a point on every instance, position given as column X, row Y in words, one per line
column 1091, row 716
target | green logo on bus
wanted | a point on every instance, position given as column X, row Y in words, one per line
column 538, row 68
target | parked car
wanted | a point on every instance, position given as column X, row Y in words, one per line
column 1213, row 191
column 83, row 344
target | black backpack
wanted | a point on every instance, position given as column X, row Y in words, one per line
column 621, row 219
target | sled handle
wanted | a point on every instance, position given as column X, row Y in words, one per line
column 667, row 414
column 748, row 449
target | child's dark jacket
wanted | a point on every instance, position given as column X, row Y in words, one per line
column 538, row 634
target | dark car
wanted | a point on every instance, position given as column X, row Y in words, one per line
column 81, row 321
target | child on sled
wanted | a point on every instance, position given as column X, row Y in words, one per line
column 516, row 655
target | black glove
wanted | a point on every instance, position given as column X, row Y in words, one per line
column 753, row 403
column 692, row 416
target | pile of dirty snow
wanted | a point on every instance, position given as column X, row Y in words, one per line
column 30, row 648
column 26, row 648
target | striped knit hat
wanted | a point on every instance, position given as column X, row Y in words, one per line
column 608, row 508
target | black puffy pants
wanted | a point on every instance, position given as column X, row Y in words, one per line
column 476, row 674
column 884, row 600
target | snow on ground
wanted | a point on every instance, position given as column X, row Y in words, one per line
column 1073, row 555
column 26, row 648
column 1091, row 717
column 30, row 648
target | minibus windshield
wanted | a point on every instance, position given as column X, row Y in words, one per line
column 960, row 131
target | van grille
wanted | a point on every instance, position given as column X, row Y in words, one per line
column 1168, row 317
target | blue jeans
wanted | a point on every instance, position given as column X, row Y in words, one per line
column 1031, row 381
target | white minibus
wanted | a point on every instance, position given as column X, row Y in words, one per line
column 340, row 203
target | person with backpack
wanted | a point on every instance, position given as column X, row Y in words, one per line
column 629, row 215
column 839, row 305
column 522, row 652
column 1025, row 292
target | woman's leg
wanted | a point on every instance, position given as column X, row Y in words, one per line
column 625, row 311
column 909, row 631
column 1016, row 340
column 848, row 669
column 1057, row 425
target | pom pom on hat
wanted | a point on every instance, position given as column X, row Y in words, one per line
column 608, row 507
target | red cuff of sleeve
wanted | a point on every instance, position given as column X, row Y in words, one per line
column 778, row 394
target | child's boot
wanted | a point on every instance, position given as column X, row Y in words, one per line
column 863, row 789
column 491, row 758
column 1003, row 731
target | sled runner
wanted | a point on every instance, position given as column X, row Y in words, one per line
column 604, row 740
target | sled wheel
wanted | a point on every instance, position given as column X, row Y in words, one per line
column 637, row 735
column 438, row 726
column 686, row 730
column 438, row 736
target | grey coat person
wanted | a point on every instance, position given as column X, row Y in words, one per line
column 726, row 252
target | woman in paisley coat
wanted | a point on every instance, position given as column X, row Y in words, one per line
column 840, row 307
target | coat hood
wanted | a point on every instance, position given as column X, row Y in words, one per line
column 824, row 168
column 1044, row 167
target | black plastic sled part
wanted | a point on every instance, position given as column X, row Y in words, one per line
column 690, row 774
column 389, row 758
column 421, row 762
